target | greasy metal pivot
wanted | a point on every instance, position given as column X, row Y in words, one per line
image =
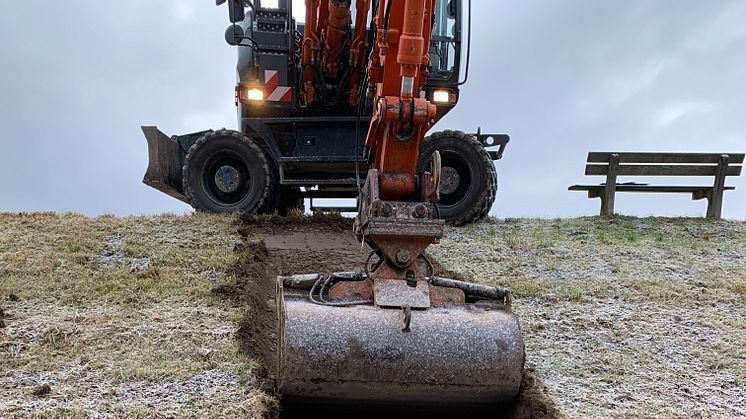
column 406, row 319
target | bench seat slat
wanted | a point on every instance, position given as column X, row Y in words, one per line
column 661, row 158
column 660, row 170
column 648, row 188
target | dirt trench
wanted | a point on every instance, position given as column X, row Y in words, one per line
column 319, row 244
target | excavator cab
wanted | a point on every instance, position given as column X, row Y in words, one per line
column 269, row 84
column 448, row 53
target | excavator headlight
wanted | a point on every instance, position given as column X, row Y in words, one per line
column 255, row 94
column 441, row 96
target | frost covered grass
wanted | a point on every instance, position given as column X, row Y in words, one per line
column 622, row 318
column 115, row 317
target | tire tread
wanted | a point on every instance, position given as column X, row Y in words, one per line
column 482, row 205
column 189, row 191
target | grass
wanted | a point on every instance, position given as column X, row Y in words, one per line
column 572, row 258
column 115, row 315
column 627, row 317
column 83, row 335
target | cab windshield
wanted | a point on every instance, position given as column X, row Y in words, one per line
column 443, row 41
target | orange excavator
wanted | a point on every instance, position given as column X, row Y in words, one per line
column 395, row 334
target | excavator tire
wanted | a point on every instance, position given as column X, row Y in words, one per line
column 225, row 171
column 468, row 183
column 272, row 199
column 290, row 199
column 280, row 199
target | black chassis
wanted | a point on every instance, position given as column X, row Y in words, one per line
column 316, row 153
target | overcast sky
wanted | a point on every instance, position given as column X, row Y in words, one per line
column 79, row 77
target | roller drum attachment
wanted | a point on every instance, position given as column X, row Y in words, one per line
column 470, row 355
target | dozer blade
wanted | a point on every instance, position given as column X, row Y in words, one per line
column 462, row 352
column 164, row 164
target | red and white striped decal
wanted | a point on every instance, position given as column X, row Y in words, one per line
column 274, row 92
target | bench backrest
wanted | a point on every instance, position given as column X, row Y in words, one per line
column 664, row 164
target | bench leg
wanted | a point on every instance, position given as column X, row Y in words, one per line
column 609, row 192
column 715, row 205
column 715, row 198
column 607, row 203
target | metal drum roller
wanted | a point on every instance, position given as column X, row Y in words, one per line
column 464, row 355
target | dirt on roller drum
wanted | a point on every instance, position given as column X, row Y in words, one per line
column 274, row 246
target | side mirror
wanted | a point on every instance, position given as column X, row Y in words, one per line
column 452, row 9
column 234, row 35
column 235, row 9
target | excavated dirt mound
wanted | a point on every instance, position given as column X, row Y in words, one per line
column 255, row 290
column 322, row 244
column 275, row 246
column 319, row 244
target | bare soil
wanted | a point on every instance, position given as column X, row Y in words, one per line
column 257, row 329
column 275, row 246
column 324, row 244
column 317, row 244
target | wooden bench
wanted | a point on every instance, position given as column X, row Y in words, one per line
column 613, row 165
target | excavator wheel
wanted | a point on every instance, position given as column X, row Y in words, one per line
column 272, row 200
column 225, row 171
column 468, row 180
column 281, row 199
column 290, row 199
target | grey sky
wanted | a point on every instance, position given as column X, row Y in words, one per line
column 79, row 77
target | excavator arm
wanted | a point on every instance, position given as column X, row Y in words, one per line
column 397, row 214
column 401, row 117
